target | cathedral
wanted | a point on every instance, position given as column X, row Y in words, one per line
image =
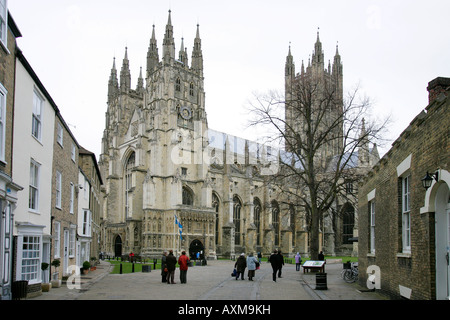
column 172, row 183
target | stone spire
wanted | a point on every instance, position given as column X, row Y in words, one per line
column 152, row 54
column 125, row 75
column 140, row 83
column 182, row 55
column 113, row 83
column 290, row 66
column 337, row 65
column 197, row 56
column 317, row 58
column 168, row 42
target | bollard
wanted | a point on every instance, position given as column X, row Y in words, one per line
column 321, row 281
column 154, row 264
column 132, row 267
column 120, row 269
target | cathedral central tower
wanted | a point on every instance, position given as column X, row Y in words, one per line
column 152, row 152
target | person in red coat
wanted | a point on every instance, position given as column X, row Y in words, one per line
column 183, row 261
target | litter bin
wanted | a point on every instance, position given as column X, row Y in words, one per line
column 19, row 289
column 146, row 268
column 321, row 281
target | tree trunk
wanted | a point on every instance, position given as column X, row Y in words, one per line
column 315, row 233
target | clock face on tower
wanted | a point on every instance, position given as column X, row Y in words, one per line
column 185, row 112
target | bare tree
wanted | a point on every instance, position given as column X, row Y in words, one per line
column 319, row 134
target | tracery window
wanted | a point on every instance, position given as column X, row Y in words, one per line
column 131, row 162
column 257, row 219
column 188, row 197
column 237, row 205
column 215, row 205
column 276, row 221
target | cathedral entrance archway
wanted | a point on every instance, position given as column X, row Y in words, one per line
column 118, row 246
column 195, row 247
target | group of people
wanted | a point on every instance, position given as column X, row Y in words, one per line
column 276, row 259
column 168, row 266
column 251, row 263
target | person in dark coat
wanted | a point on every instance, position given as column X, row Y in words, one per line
column 321, row 256
column 171, row 262
column 163, row 267
column 280, row 263
column 274, row 261
column 240, row 266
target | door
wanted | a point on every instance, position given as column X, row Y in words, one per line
column 118, row 246
column 442, row 216
column 66, row 252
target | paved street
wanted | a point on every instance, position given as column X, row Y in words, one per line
column 211, row 282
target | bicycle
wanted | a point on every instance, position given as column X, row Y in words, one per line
column 350, row 275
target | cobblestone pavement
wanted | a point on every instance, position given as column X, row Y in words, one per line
column 211, row 282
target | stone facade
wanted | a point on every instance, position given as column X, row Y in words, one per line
column 410, row 237
column 164, row 168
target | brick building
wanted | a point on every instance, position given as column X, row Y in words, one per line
column 8, row 188
column 64, row 195
column 405, row 238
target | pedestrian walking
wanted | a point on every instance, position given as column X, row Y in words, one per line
column 164, row 267
column 259, row 257
column 183, row 261
column 280, row 263
column 251, row 265
column 298, row 261
column 240, row 265
column 274, row 262
column 171, row 262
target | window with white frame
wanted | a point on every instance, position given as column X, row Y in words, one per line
column 73, row 152
column 57, row 239
column 87, row 223
column 372, row 225
column 36, row 128
column 59, row 134
column 406, row 217
column 3, row 22
column 72, row 241
column 72, row 197
column 3, row 93
column 58, row 189
column 33, row 200
column 31, row 266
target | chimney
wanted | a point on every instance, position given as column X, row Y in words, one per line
column 436, row 87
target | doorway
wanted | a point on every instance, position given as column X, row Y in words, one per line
column 118, row 246
column 442, row 215
column 196, row 247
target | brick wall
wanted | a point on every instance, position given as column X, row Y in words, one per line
column 426, row 140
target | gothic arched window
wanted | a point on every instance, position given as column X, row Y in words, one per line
column 276, row 221
column 237, row 206
column 257, row 219
column 178, row 85
column 131, row 163
column 188, row 197
column 292, row 216
column 191, row 89
column 215, row 205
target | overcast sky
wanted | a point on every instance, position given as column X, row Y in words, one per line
column 392, row 49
